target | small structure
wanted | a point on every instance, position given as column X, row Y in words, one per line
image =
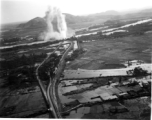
column 58, row 53
column 133, row 62
column 75, row 45
column 106, row 96
column 123, row 95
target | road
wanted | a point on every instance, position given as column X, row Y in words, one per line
column 52, row 90
column 51, row 93
column 42, row 87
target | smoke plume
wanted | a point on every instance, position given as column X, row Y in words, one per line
column 54, row 14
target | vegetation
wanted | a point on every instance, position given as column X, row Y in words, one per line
column 139, row 72
column 75, row 54
column 96, row 26
column 20, row 78
column 47, row 70
column 21, row 61
column 21, row 74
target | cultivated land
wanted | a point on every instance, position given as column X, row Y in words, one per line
column 110, row 53
column 93, row 102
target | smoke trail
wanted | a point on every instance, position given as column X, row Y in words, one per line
column 53, row 14
column 62, row 27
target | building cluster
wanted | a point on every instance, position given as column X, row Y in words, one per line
column 111, row 92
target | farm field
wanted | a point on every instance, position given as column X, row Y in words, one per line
column 110, row 53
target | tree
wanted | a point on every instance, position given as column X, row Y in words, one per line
column 138, row 71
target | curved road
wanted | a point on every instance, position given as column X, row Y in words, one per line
column 42, row 87
column 51, row 94
column 52, row 91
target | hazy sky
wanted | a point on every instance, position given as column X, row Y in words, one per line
column 22, row 10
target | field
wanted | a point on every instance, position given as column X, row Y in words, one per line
column 110, row 53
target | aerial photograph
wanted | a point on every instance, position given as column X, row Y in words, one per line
column 76, row 59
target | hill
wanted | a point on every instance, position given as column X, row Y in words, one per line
column 34, row 23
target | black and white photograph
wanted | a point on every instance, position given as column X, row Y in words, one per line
column 76, row 59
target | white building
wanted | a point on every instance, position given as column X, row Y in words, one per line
column 75, row 45
column 58, row 52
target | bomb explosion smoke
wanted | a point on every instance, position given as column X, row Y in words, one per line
column 54, row 13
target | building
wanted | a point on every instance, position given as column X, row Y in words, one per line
column 75, row 45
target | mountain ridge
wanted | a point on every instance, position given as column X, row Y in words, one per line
column 74, row 21
column 39, row 22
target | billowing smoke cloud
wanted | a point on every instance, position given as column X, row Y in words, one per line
column 54, row 14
